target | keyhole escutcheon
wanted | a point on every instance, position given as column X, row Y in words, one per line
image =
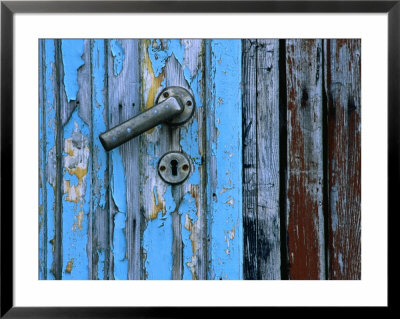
column 174, row 167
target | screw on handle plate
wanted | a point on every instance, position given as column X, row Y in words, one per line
column 175, row 106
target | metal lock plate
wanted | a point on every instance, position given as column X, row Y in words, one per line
column 174, row 167
column 184, row 97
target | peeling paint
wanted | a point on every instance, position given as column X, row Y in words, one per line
column 118, row 55
column 157, row 238
column 69, row 266
column 72, row 51
column 76, row 163
column 79, row 220
column 119, row 248
column 76, row 198
column 191, row 235
column 226, row 258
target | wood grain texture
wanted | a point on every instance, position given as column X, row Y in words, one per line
column 343, row 86
column 261, row 159
column 305, row 219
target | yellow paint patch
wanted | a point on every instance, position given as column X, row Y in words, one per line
column 223, row 190
column 151, row 83
column 76, row 163
column 230, row 202
column 188, row 222
column 158, row 205
column 69, row 266
column 78, row 221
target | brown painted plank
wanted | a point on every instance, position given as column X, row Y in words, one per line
column 305, row 220
column 261, row 159
column 343, row 85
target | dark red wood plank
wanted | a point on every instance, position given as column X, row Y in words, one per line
column 305, row 220
column 343, row 83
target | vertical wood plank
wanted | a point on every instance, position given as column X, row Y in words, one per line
column 123, row 68
column 268, row 187
column 305, row 220
column 76, row 166
column 224, row 138
column 343, row 86
column 158, row 201
column 49, row 167
column 261, row 159
column 42, row 177
column 249, row 128
column 193, row 141
column 99, row 222
column 42, row 165
column 176, row 212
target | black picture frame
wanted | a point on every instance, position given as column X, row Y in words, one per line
column 9, row 8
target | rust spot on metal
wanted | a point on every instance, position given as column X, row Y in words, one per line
column 69, row 266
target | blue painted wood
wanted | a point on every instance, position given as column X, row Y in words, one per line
column 224, row 121
column 76, row 170
column 42, row 176
column 49, row 157
column 99, row 200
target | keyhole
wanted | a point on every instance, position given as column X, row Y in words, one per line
column 174, row 167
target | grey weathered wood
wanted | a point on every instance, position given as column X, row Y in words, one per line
column 268, row 219
column 305, row 220
column 250, row 193
column 261, row 159
column 343, row 86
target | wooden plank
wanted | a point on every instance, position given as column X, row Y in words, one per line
column 249, row 128
column 343, row 86
column 42, row 165
column 99, row 221
column 158, row 201
column 268, row 219
column 49, row 167
column 305, row 220
column 174, row 234
column 224, row 158
column 192, row 138
column 76, row 166
column 124, row 103
column 261, row 211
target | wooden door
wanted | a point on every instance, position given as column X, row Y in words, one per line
column 274, row 143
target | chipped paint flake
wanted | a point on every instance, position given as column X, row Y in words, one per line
column 72, row 51
column 76, row 164
column 118, row 55
column 70, row 265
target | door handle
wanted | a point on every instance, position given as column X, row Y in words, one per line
column 174, row 106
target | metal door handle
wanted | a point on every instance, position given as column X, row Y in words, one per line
column 175, row 106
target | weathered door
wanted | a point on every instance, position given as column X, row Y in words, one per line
column 274, row 146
